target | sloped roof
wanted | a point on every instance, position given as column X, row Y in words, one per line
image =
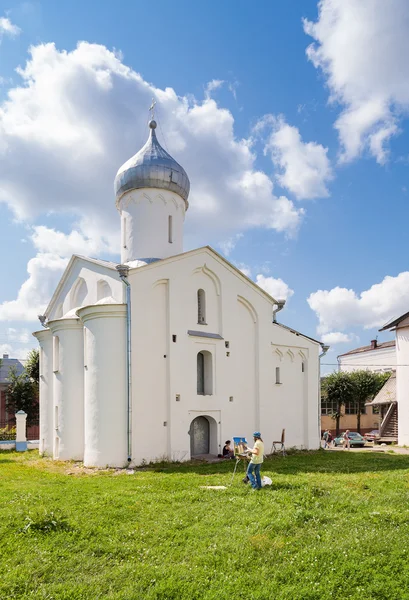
column 6, row 364
column 381, row 346
column 292, row 330
column 387, row 394
column 395, row 322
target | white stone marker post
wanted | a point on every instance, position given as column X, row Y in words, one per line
column 21, row 428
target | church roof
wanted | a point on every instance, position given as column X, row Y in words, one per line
column 152, row 167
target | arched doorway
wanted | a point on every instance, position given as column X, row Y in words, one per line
column 199, row 436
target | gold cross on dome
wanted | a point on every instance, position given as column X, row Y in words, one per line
column 152, row 108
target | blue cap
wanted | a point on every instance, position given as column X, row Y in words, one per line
column 257, row 434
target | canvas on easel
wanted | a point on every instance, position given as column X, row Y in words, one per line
column 240, row 446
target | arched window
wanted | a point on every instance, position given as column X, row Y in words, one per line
column 204, row 373
column 78, row 293
column 201, row 307
column 103, row 289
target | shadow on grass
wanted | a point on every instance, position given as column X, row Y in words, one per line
column 300, row 462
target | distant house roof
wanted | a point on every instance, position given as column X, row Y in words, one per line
column 371, row 348
column 395, row 322
column 6, row 363
column 387, row 394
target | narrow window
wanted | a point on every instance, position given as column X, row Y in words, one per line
column 177, row 397
column 200, row 374
column 278, row 375
column 204, row 373
column 201, row 307
column 170, row 229
column 56, row 354
column 303, row 367
column 123, row 232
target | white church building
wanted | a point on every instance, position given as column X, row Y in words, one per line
column 170, row 353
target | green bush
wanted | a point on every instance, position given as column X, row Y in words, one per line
column 7, row 433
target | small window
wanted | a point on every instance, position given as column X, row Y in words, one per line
column 56, row 354
column 170, row 229
column 278, row 380
column 177, row 397
column 303, row 367
column 201, row 307
column 227, row 344
column 204, row 374
column 123, row 232
column 174, row 338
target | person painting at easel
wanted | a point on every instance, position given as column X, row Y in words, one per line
column 257, row 457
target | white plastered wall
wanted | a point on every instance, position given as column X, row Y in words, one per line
column 245, row 396
column 81, row 285
column 45, row 339
column 145, row 224
column 402, row 381
column 105, row 385
column 68, row 389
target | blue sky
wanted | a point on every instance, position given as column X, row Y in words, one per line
column 289, row 117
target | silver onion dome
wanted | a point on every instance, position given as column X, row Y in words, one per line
column 152, row 167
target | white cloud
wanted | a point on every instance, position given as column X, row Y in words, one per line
column 336, row 337
column 22, row 336
column 277, row 288
column 44, row 273
column 229, row 245
column 340, row 308
column 75, row 118
column 213, row 85
column 48, row 240
column 361, row 47
column 304, row 167
column 79, row 115
column 8, row 28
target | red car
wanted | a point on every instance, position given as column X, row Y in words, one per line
column 372, row 435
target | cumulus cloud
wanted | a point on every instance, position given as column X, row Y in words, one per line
column 304, row 167
column 8, row 28
column 277, row 288
column 361, row 47
column 75, row 118
column 79, row 115
column 340, row 308
column 48, row 240
column 336, row 337
column 44, row 272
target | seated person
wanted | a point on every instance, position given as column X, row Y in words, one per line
column 227, row 450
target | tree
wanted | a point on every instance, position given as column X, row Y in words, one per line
column 366, row 385
column 22, row 390
column 32, row 366
column 337, row 390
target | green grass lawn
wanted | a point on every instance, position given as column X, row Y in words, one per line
column 332, row 525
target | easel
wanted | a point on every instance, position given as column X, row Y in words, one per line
column 239, row 457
